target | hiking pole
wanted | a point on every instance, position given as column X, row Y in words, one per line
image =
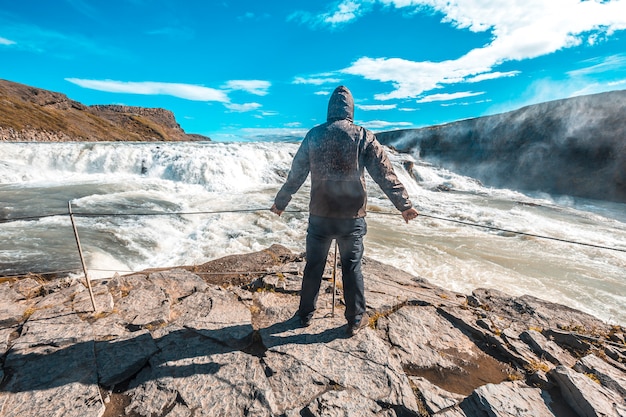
column 332, row 311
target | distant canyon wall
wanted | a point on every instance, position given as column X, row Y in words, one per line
column 574, row 147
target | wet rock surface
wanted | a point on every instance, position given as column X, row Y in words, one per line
column 182, row 342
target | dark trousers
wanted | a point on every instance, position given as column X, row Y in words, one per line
column 349, row 234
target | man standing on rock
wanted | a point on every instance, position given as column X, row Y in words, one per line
column 336, row 153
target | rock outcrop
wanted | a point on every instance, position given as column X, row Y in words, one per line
column 575, row 146
column 218, row 340
column 29, row 114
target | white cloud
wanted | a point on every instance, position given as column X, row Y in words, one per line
column 447, row 96
column 521, row 29
column 273, row 133
column 322, row 93
column 242, row 108
column 464, row 103
column 185, row 91
column 371, row 107
column 344, row 12
column 347, row 11
column 256, row 87
column 382, row 124
column 616, row 83
column 316, row 80
column 5, row 41
column 492, row 76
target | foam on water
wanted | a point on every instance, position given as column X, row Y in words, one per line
column 211, row 185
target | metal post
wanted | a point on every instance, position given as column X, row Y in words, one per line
column 82, row 259
column 332, row 311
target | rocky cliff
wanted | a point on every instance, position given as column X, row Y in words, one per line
column 29, row 114
column 575, row 147
column 219, row 339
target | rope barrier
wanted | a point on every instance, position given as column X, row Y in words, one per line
column 514, row 232
column 199, row 273
column 256, row 210
column 402, row 288
column 26, row 218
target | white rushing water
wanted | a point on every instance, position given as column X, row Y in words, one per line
column 217, row 187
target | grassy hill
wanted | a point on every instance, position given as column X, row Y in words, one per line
column 34, row 114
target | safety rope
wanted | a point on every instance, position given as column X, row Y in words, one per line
column 255, row 210
column 513, row 231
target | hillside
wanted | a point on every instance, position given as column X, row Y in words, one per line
column 34, row 115
column 574, row 147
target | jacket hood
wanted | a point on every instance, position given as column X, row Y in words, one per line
column 341, row 105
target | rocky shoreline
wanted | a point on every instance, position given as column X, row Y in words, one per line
column 218, row 340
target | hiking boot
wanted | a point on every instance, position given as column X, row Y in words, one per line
column 354, row 328
column 305, row 321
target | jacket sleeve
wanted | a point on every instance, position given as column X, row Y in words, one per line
column 300, row 168
column 380, row 169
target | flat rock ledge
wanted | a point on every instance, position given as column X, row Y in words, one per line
column 220, row 339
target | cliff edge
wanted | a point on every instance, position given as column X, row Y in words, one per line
column 220, row 339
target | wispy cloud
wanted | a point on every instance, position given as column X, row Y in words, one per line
column 524, row 29
column 341, row 13
column 601, row 65
column 371, row 107
column 242, row 108
column 316, row 80
column 347, row 11
column 185, row 91
column 447, row 96
column 256, row 87
column 492, row 76
column 174, row 32
column 464, row 103
column 253, row 16
column 5, row 41
column 382, row 124
column 84, row 8
column 289, row 132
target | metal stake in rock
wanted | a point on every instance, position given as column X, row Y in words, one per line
column 82, row 259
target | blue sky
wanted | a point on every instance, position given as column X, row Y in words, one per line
column 260, row 69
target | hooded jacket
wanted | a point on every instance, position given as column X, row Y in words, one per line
column 335, row 154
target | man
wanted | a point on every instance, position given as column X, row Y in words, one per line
column 336, row 154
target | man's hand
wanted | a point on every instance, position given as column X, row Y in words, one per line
column 275, row 210
column 409, row 214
